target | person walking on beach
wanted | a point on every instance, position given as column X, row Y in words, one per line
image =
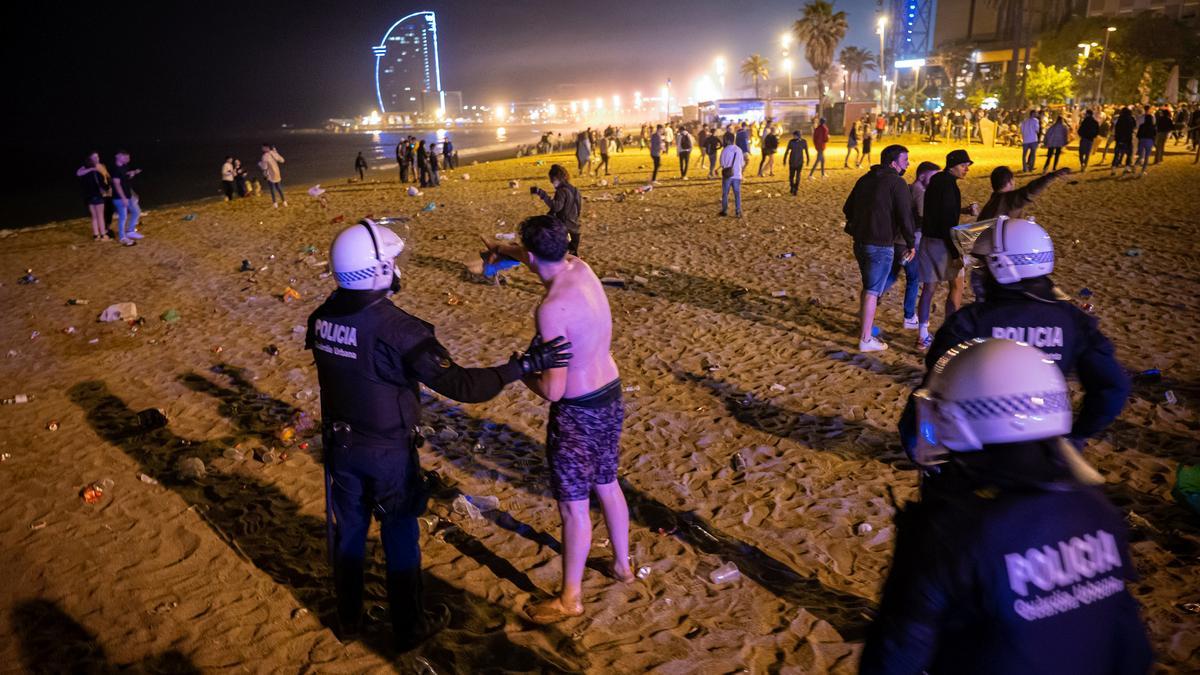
column 435, row 178
column 604, row 151
column 1055, row 140
column 702, row 143
column 448, row 154
column 227, row 178
column 866, row 146
column 1031, row 132
column 742, row 141
column 820, row 139
column 583, row 433
column 1146, row 133
column 712, row 145
column 732, row 162
column 1165, row 126
column 795, row 155
column 360, row 165
column 565, row 206
column 1088, row 130
column 125, row 199
column 401, row 148
column 910, row 267
column 1123, row 131
column 878, row 213
column 1017, row 563
column 939, row 258
column 1007, row 200
column 422, row 164
column 372, row 358
column 656, row 149
column 851, row 145
column 770, row 145
column 583, row 152
column 269, row 163
column 95, row 183
column 684, row 150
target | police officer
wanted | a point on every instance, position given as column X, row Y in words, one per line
column 371, row 358
column 1022, row 567
column 1021, row 303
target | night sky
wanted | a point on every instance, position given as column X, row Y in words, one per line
column 183, row 68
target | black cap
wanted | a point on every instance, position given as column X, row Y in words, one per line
column 956, row 157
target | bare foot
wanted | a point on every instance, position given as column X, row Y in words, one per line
column 622, row 574
column 552, row 611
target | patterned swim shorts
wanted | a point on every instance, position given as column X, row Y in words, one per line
column 583, row 440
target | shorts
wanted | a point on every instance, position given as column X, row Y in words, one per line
column 875, row 266
column 582, row 442
column 937, row 262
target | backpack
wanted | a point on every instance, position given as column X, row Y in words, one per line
column 685, row 142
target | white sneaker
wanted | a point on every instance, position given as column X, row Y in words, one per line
column 923, row 343
column 128, row 242
column 285, row 202
column 911, row 322
column 275, row 204
column 134, row 234
column 872, row 344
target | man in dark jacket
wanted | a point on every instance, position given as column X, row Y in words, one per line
column 939, row 260
column 1011, row 202
column 795, row 155
column 878, row 211
column 1088, row 130
column 1123, row 130
column 372, row 358
column 566, row 204
column 1019, row 302
column 1018, row 565
column 1164, row 125
column 770, row 145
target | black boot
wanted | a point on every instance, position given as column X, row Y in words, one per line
column 411, row 623
column 348, row 583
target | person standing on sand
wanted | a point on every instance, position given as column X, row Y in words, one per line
column 422, row 164
column 1165, row 125
column 602, row 142
column 565, row 206
column 1146, row 133
column 401, row 147
column 1088, row 130
column 1018, row 564
column 583, row 152
column 878, row 213
column 656, row 148
column 770, row 145
column 1031, row 133
column 1055, row 141
column 125, row 199
column 95, row 183
column 912, row 270
column 795, row 155
column 684, row 151
column 1123, row 131
column 866, row 146
column 820, row 139
column 269, row 163
column 851, row 144
column 742, row 140
column 448, row 154
column 586, row 409
column 938, row 257
column 731, row 163
column 1011, row 202
column 360, row 165
column 702, row 143
column 227, row 178
column 712, row 145
column 372, row 358
column 435, row 178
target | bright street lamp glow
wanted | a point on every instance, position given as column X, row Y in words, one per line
column 599, row 103
column 616, row 102
column 719, row 64
column 882, row 22
column 786, row 40
column 787, row 65
column 1112, row 28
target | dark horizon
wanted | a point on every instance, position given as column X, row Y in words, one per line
column 96, row 72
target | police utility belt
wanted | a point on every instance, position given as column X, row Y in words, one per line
column 340, row 435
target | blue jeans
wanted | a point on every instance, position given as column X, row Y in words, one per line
column 1028, row 156
column 875, row 266
column 276, row 187
column 736, row 184
column 1085, row 150
column 912, row 279
column 127, row 215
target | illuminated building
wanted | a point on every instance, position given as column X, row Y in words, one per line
column 408, row 74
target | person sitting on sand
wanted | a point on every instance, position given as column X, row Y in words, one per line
column 566, row 205
column 1021, row 565
column 586, row 408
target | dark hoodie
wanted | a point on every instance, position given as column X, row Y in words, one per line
column 879, row 209
column 1014, row 202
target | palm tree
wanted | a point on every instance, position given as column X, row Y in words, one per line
column 855, row 61
column 755, row 68
column 820, row 29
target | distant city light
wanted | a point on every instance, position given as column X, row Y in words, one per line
column 599, row 103
column 637, row 99
column 616, row 101
column 910, row 63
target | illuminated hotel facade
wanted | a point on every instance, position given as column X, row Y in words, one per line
column 408, row 75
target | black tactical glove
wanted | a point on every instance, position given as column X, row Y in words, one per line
column 543, row 356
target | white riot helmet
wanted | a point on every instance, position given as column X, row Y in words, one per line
column 363, row 256
column 1015, row 249
column 987, row 391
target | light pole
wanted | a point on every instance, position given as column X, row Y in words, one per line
column 882, row 26
column 1103, row 60
column 786, row 41
column 787, row 65
column 719, row 66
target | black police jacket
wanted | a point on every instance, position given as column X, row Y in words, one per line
column 1029, row 312
column 371, row 358
column 1009, row 576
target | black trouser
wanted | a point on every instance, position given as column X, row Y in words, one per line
column 403, row 171
column 794, row 174
column 684, row 157
column 360, row 174
column 657, row 160
column 424, row 177
column 1052, row 152
column 603, row 164
column 573, row 242
column 227, row 188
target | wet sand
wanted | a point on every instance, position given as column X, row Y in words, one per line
column 228, row 572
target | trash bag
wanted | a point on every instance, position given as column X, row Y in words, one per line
column 1187, row 487
column 122, row 311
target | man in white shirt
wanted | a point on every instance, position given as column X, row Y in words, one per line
column 1031, row 132
column 732, row 160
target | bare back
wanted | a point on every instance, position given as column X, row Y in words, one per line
column 580, row 311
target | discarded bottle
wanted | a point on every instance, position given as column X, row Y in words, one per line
column 633, row 387
column 737, row 462
column 785, row 256
column 28, row 278
column 1170, row 397
column 151, row 419
column 92, row 494
column 485, row 502
column 725, row 574
column 644, row 571
column 19, row 398
column 77, row 301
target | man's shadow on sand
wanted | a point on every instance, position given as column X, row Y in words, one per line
column 266, row 527
column 518, row 459
column 52, row 642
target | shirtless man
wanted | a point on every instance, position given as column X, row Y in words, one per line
column 586, row 410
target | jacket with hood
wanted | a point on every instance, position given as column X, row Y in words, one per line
column 879, row 209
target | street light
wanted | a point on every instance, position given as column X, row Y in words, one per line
column 881, row 27
column 1103, row 61
column 719, row 65
column 787, row 66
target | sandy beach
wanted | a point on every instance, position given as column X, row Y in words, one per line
column 725, row 347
